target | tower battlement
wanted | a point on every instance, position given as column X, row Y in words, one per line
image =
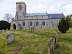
column 20, row 2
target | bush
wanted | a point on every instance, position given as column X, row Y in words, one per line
column 70, row 22
column 4, row 25
column 68, row 19
column 63, row 25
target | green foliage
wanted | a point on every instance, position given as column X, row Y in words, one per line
column 63, row 25
column 27, row 51
column 4, row 25
column 56, row 51
column 68, row 19
column 70, row 24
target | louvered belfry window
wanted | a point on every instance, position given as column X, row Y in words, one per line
column 20, row 7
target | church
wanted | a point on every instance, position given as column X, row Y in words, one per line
column 25, row 20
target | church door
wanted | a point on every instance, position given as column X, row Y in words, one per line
column 14, row 26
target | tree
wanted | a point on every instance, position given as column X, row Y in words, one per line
column 8, row 17
column 68, row 18
column 4, row 25
column 70, row 22
column 63, row 25
column 12, row 19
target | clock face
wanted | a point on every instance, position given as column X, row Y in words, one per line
column 20, row 7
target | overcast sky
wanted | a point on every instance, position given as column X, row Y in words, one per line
column 37, row 6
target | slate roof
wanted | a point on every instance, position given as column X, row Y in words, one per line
column 56, row 16
column 53, row 16
column 36, row 14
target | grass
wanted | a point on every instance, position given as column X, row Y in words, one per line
column 35, row 42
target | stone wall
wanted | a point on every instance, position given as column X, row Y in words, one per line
column 27, row 24
column 54, row 22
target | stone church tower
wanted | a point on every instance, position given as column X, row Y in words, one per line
column 20, row 10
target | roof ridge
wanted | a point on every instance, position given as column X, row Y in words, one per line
column 36, row 13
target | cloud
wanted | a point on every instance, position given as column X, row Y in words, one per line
column 67, row 9
column 37, row 6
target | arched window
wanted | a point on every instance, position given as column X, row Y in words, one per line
column 43, row 23
column 37, row 23
column 20, row 7
column 23, row 23
column 30, row 23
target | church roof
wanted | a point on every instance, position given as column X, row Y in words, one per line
column 56, row 16
column 53, row 16
column 36, row 14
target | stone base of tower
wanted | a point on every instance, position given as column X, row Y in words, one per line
column 15, row 26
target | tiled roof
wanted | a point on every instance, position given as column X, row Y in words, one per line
column 56, row 16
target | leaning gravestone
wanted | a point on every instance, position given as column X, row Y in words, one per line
column 56, row 38
column 10, row 38
column 50, row 46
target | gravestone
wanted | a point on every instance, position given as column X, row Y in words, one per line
column 56, row 38
column 50, row 46
column 10, row 38
column 32, row 28
column 1, row 31
column 7, row 29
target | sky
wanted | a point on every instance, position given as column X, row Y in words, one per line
column 36, row 6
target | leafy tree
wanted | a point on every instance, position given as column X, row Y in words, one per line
column 70, row 24
column 69, row 16
column 12, row 19
column 68, row 19
column 4, row 25
column 63, row 25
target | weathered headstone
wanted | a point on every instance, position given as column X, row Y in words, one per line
column 7, row 29
column 10, row 38
column 56, row 38
column 1, row 30
column 32, row 28
column 50, row 46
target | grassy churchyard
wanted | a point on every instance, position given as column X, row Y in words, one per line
column 36, row 42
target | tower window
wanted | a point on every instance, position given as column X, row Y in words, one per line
column 20, row 7
column 30, row 23
column 23, row 23
column 37, row 23
column 43, row 23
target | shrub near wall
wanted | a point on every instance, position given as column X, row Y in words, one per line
column 70, row 22
column 63, row 25
column 4, row 25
